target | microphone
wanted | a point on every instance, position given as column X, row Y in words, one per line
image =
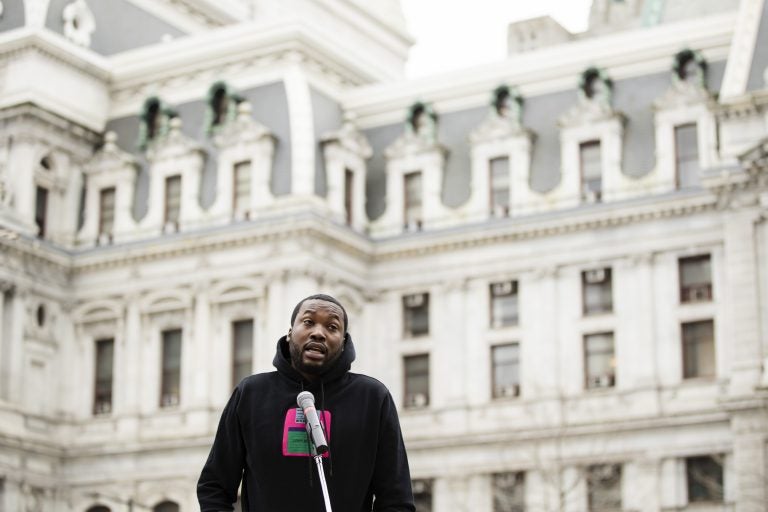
column 306, row 401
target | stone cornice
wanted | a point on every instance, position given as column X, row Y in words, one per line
column 608, row 215
column 26, row 40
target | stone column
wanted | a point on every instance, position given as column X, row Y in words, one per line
column 750, row 459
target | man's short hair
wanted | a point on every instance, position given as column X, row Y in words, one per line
column 320, row 296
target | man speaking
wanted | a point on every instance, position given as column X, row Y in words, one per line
column 262, row 437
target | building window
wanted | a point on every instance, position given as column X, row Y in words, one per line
column 698, row 349
column 242, row 350
column 412, row 201
column 416, row 370
column 107, row 212
column 171, row 368
column 505, row 362
column 704, row 478
column 349, row 180
column 695, row 278
column 600, row 360
column 41, row 210
column 422, row 495
column 591, row 171
column 166, row 506
column 597, row 291
column 416, row 315
column 102, row 400
column 241, row 194
column 172, row 202
column 604, row 488
column 687, row 156
column 499, row 178
column 504, row 304
column 509, row 492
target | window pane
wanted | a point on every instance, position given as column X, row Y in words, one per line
column 698, row 349
column 416, row 315
column 687, row 155
column 171, row 368
column 413, row 213
column 591, row 171
column 600, row 362
column 107, row 211
column 704, row 477
column 422, row 495
column 41, row 210
column 509, row 492
column 504, row 304
column 500, row 186
column 604, row 488
column 242, row 350
column 505, row 360
column 102, row 403
column 172, row 199
column 242, row 191
column 597, row 289
column 416, row 370
column 695, row 279
column 348, row 194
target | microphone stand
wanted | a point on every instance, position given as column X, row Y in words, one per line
column 321, row 472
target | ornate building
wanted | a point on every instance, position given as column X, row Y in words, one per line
column 556, row 263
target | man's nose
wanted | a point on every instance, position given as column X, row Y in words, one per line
column 318, row 332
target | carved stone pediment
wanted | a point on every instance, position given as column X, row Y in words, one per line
column 681, row 94
column 110, row 157
column 349, row 138
column 496, row 127
column 589, row 111
column 242, row 130
column 413, row 144
column 174, row 145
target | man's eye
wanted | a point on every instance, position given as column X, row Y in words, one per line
column 333, row 327
column 307, row 322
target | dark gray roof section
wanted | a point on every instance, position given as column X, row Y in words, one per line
column 120, row 25
column 270, row 108
column 633, row 97
column 760, row 58
column 327, row 117
column 13, row 15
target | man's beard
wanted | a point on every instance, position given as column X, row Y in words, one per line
column 310, row 369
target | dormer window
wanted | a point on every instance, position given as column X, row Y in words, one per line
column 412, row 201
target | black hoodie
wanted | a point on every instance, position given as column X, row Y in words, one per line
column 367, row 467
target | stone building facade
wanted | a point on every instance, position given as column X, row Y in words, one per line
column 556, row 263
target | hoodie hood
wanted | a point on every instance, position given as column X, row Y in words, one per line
column 338, row 368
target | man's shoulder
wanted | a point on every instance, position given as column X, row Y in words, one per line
column 368, row 382
column 257, row 380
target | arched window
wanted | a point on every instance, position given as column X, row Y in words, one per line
column 222, row 106
column 166, row 506
column 99, row 508
column 689, row 67
column 154, row 121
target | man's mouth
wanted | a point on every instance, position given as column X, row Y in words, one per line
column 315, row 351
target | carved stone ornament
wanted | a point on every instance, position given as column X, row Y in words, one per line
column 242, row 130
column 349, row 138
column 110, row 157
column 79, row 23
column 595, row 97
column 504, row 118
column 420, row 133
column 688, row 82
column 174, row 145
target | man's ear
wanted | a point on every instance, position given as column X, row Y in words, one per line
column 288, row 337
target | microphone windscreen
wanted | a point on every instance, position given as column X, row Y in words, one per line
column 305, row 399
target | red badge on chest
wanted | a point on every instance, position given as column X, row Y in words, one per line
column 295, row 439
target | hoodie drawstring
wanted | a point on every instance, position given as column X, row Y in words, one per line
column 325, row 429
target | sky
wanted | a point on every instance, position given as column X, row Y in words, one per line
column 453, row 34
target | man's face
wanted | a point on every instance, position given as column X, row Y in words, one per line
column 317, row 337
